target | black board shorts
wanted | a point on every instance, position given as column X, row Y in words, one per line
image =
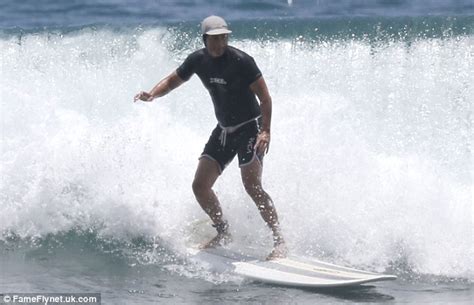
column 240, row 142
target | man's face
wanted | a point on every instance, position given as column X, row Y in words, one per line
column 216, row 44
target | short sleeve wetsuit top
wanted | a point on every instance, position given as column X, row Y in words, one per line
column 228, row 79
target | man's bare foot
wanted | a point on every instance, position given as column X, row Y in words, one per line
column 279, row 251
column 221, row 239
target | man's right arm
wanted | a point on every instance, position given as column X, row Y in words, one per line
column 167, row 84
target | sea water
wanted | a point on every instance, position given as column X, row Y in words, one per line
column 370, row 163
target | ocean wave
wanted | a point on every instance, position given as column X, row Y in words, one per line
column 370, row 159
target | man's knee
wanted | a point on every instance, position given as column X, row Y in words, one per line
column 200, row 187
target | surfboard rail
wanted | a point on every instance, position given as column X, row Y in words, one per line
column 292, row 271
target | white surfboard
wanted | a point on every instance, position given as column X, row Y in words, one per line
column 295, row 272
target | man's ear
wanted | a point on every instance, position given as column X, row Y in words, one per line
column 204, row 39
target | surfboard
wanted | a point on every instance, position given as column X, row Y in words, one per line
column 291, row 271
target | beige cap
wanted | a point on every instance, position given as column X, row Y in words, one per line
column 214, row 25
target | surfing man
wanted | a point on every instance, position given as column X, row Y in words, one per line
column 233, row 81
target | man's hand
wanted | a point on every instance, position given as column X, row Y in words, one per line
column 263, row 142
column 167, row 84
column 144, row 96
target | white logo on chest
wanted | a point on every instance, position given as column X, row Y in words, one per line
column 215, row 80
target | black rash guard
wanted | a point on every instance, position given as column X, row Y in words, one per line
column 228, row 79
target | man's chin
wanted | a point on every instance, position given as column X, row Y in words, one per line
column 216, row 54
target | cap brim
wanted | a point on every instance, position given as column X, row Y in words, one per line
column 218, row 32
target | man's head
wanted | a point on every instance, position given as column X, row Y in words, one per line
column 215, row 34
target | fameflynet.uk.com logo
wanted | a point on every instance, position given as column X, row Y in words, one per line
column 51, row 298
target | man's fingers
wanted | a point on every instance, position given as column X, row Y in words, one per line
column 257, row 144
column 261, row 146
column 137, row 97
column 144, row 96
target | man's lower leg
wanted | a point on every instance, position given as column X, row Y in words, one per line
column 210, row 204
column 269, row 215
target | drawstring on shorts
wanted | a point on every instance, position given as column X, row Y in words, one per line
column 231, row 129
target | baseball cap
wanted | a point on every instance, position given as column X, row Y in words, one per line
column 214, row 25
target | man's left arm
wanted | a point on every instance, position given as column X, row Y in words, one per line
column 259, row 88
